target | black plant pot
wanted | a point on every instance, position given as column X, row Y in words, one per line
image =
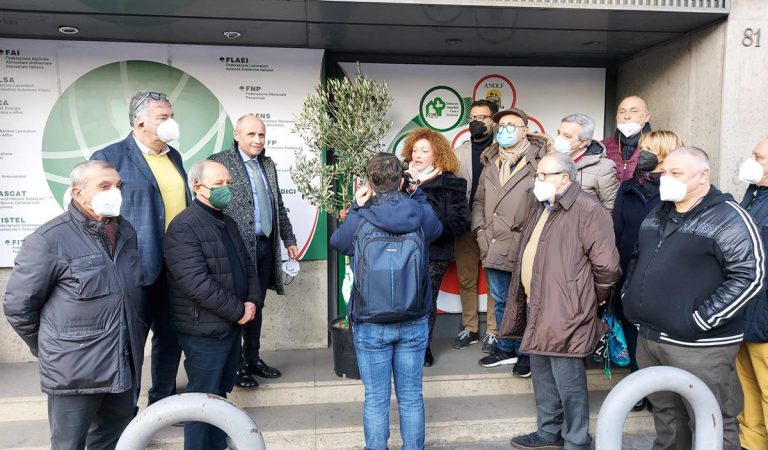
column 344, row 357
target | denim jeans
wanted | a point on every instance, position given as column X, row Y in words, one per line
column 381, row 350
column 498, row 285
column 211, row 364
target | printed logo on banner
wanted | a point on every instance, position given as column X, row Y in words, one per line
column 496, row 88
column 441, row 108
column 92, row 113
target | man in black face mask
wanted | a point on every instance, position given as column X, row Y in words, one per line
column 467, row 252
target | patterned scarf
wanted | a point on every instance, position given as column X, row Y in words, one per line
column 509, row 157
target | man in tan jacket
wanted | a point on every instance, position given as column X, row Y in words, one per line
column 568, row 265
column 499, row 210
column 597, row 172
column 467, row 252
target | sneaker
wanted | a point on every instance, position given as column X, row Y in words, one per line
column 489, row 343
column 522, row 368
column 533, row 440
column 465, row 339
column 498, row 358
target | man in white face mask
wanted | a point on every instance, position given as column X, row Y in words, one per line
column 699, row 262
column 632, row 120
column 568, row 264
column 155, row 192
column 752, row 361
column 75, row 299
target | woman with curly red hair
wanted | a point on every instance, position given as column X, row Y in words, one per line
column 433, row 164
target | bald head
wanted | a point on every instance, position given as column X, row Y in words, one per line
column 633, row 109
column 250, row 135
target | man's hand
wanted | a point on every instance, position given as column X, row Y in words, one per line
column 293, row 252
column 250, row 313
column 363, row 194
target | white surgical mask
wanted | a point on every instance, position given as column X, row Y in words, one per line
column 543, row 190
column 168, row 131
column 672, row 189
column 751, row 171
column 629, row 129
column 107, row 203
column 562, row 145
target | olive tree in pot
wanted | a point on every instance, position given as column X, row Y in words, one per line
column 345, row 122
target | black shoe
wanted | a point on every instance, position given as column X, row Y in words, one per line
column 522, row 368
column 533, row 440
column 245, row 380
column 428, row 358
column 261, row 369
column 498, row 358
column 639, row 406
column 465, row 339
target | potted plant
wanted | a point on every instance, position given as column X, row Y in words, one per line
column 342, row 125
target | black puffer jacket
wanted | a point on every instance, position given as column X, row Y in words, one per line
column 200, row 277
column 447, row 194
column 692, row 276
column 71, row 301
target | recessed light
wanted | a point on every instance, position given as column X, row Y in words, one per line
column 591, row 43
column 232, row 34
column 453, row 41
column 65, row 29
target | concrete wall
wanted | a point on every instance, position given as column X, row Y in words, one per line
column 710, row 88
column 682, row 82
column 297, row 320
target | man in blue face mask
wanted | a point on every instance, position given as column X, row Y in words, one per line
column 501, row 205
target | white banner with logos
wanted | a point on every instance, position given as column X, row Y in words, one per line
column 439, row 97
column 61, row 100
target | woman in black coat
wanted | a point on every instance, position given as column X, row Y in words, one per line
column 635, row 199
column 433, row 164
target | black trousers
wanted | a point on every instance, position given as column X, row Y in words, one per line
column 166, row 351
column 252, row 330
column 92, row 420
column 437, row 270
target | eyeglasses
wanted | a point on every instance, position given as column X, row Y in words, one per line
column 541, row 176
column 510, row 127
column 479, row 118
column 153, row 95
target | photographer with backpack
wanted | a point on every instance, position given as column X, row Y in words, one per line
column 387, row 233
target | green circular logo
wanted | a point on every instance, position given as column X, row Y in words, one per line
column 92, row 113
column 441, row 108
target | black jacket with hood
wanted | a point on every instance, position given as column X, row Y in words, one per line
column 693, row 274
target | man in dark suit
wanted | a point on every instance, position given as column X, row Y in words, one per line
column 154, row 192
column 261, row 217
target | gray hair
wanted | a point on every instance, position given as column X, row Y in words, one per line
column 77, row 176
column 195, row 173
column 140, row 103
column 695, row 152
column 564, row 164
column 586, row 123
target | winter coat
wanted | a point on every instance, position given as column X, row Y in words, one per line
column 464, row 155
column 74, row 305
column 200, row 278
column 575, row 267
column 597, row 175
column 500, row 211
column 447, row 195
column 629, row 211
column 756, row 312
column 241, row 209
column 693, row 274
column 394, row 212
column 142, row 202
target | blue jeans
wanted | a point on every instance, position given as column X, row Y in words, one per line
column 498, row 285
column 382, row 349
column 211, row 364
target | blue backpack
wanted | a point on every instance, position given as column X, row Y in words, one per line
column 390, row 277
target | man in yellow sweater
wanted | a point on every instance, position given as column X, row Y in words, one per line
column 154, row 192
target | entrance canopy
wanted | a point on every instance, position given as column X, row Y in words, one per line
column 584, row 32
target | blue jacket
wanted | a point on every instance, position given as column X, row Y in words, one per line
column 142, row 203
column 756, row 312
column 394, row 212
